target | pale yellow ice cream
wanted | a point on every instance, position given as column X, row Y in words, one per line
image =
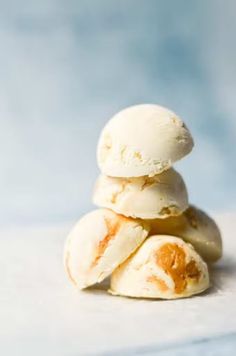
column 98, row 243
column 142, row 140
column 145, row 197
column 193, row 226
column 163, row 267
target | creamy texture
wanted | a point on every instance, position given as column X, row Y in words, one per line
column 145, row 197
column 98, row 243
column 163, row 267
column 142, row 140
column 193, row 226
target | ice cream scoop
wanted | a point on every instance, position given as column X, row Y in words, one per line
column 98, row 243
column 163, row 267
column 193, row 226
column 142, row 140
column 145, row 197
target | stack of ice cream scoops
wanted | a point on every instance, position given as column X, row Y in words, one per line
column 144, row 235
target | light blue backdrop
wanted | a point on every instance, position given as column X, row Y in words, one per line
column 67, row 66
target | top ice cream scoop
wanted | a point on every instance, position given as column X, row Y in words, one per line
column 142, row 140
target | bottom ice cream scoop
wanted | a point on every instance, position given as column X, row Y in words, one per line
column 99, row 242
column 163, row 267
column 193, row 226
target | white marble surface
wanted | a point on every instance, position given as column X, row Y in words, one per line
column 42, row 314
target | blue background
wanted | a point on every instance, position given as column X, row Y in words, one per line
column 67, row 66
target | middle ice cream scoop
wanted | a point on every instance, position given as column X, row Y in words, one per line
column 160, row 196
column 193, row 226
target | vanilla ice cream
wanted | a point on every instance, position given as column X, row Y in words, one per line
column 142, row 140
column 99, row 242
column 193, row 226
column 163, row 267
column 145, row 197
